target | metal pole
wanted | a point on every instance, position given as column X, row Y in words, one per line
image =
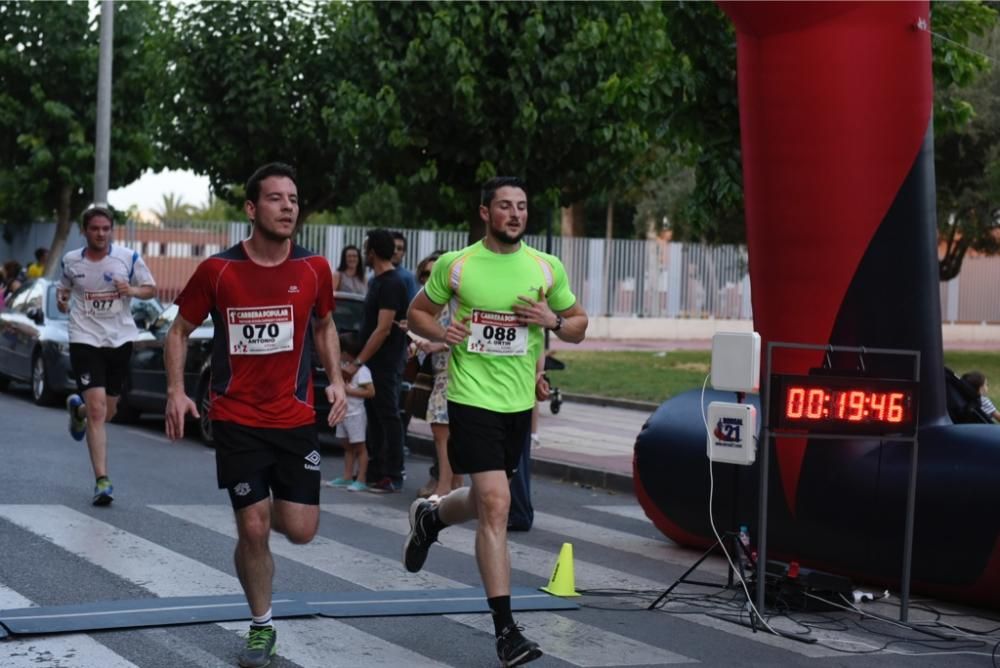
column 911, row 498
column 102, row 148
column 764, row 460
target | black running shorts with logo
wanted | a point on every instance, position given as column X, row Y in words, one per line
column 253, row 462
column 484, row 440
column 100, row 367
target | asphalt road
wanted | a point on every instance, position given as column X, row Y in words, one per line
column 170, row 533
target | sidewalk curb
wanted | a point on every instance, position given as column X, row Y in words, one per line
column 645, row 406
column 573, row 473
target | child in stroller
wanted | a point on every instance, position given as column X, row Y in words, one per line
column 555, row 396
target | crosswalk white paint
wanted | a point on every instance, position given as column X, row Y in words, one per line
column 538, row 562
column 629, row 512
column 311, row 642
column 654, row 548
column 168, row 573
column 64, row 651
column 572, row 641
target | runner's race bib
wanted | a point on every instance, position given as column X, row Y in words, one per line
column 260, row 330
column 497, row 333
column 104, row 304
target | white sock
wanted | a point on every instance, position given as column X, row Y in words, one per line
column 263, row 620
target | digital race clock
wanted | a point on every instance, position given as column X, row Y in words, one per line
column 846, row 405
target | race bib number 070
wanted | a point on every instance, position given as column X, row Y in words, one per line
column 497, row 333
column 260, row 330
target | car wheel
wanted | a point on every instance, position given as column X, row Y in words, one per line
column 204, row 423
column 40, row 390
column 126, row 413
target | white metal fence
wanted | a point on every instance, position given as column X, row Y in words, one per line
column 623, row 277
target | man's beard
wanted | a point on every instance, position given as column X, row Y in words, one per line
column 503, row 236
column 273, row 236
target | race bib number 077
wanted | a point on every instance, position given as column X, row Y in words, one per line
column 102, row 304
column 497, row 333
column 260, row 330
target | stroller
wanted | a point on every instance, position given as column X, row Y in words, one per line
column 555, row 395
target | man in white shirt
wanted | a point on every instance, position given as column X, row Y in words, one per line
column 97, row 285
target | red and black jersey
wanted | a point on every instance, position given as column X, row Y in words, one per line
column 261, row 356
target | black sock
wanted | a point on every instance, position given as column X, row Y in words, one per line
column 502, row 617
column 436, row 522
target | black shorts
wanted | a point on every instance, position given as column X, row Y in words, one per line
column 483, row 440
column 253, row 462
column 100, row 367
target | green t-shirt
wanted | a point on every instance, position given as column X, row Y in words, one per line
column 498, row 373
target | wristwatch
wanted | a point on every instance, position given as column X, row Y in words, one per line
column 559, row 322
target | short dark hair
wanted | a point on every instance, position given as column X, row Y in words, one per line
column 380, row 242
column 96, row 212
column 975, row 378
column 490, row 188
column 350, row 343
column 42, row 252
column 267, row 171
column 398, row 236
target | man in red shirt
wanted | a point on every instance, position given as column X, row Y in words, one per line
column 269, row 299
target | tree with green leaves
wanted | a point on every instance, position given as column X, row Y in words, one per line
column 48, row 102
column 967, row 130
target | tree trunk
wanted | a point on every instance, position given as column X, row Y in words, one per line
column 63, row 222
column 573, row 220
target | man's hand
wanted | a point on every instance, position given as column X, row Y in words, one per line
column 124, row 289
column 338, row 403
column 179, row 405
column 542, row 388
column 457, row 331
column 62, row 300
column 535, row 311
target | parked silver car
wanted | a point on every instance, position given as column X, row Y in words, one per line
column 34, row 340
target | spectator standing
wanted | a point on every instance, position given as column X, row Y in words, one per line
column 350, row 275
column 443, row 479
column 358, row 388
column 12, row 280
column 384, row 352
column 409, row 280
column 37, row 268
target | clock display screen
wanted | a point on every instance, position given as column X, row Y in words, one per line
column 847, row 405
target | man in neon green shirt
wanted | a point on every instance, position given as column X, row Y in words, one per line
column 503, row 294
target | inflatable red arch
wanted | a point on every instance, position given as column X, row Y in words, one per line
column 837, row 139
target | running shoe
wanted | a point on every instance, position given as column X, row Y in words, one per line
column 513, row 649
column 103, row 492
column 77, row 424
column 338, row 482
column 385, row 486
column 422, row 535
column 260, row 647
column 357, row 486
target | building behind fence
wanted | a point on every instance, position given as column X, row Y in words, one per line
column 618, row 278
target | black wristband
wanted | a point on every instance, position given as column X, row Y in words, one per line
column 559, row 322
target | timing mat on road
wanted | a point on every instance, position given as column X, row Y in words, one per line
column 171, row 611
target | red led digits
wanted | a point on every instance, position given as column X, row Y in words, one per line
column 842, row 405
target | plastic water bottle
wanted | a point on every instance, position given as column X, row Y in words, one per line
column 744, row 538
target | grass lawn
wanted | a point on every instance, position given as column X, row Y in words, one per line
column 657, row 376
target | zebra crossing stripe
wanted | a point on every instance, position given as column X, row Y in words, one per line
column 574, row 642
column 168, row 573
column 660, row 549
column 74, row 649
column 588, row 575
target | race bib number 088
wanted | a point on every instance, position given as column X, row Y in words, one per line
column 260, row 330
column 497, row 333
